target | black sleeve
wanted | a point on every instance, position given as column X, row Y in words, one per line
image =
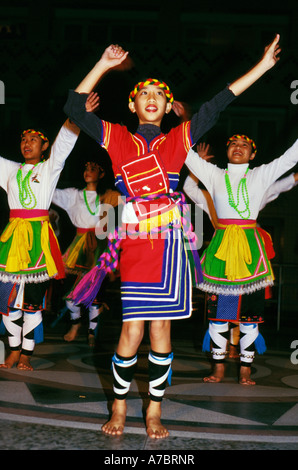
column 209, row 112
column 76, row 111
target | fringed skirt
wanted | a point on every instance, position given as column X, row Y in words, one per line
column 29, row 255
column 236, row 261
column 237, row 272
column 83, row 252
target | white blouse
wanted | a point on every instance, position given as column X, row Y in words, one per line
column 72, row 201
column 45, row 175
column 258, row 181
column 195, row 193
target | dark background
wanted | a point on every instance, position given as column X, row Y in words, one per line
column 196, row 47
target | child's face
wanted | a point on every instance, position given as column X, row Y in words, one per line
column 32, row 148
column 150, row 105
column 240, row 151
column 93, row 172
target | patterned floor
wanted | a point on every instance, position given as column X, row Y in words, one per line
column 65, row 400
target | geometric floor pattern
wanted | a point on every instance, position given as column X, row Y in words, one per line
column 64, row 401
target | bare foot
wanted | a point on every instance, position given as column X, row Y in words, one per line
column 218, row 374
column 11, row 360
column 115, row 426
column 154, row 427
column 245, row 376
column 24, row 363
column 72, row 333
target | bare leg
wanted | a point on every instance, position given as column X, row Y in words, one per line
column 245, row 373
column 160, row 340
column 11, row 360
column 72, row 333
column 115, row 426
column 130, row 339
column 155, row 428
column 233, row 352
column 218, row 374
column 24, row 363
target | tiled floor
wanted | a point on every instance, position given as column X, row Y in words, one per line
column 63, row 403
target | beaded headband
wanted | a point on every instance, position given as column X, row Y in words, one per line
column 243, row 137
column 33, row 131
column 152, row 81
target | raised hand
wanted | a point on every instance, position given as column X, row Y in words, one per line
column 203, row 151
column 114, row 56
column 182, row 110
column 271, row 52
column 92, row 102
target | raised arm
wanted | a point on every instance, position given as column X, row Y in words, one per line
column 269, row 59
column 112, row 57
column 208, row 114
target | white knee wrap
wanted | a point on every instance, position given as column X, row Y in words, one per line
column 219, row 341
column 93, row 316
column 123, row 370
column 31, row 322
column 75, row 311
column 248, row 335
column 160, row 372
column 14, row 328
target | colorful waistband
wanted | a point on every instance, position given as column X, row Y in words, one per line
column 28, row 213
column 85, row 230
column 224, row 223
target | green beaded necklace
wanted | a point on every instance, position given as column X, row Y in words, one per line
column 242, row 189
column 26, row 196
column 87, row 205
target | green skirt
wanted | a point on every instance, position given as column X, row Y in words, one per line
column 259, row 270
column 36, row 270
column 83, row 252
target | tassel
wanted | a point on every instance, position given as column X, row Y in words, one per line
column 169, row 379
column 198, row 269
column 260, row 344
column 206, row 342
column 38, row 333
column 87, row 289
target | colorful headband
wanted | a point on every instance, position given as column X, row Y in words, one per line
column 243, row 137
column 33, row 131
column 152, row 81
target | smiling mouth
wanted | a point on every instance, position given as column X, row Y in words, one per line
column 151, row 109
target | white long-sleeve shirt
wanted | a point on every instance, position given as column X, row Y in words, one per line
column 72, row 201
column 45, row 175
column 258, row 180
column 196, row 194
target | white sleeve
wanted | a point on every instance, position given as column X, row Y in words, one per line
column 63, row 144
column 203, row 170
column 270, row 172
column 193, row 191
column 64, row 198
column 280, row 186
column 7, row 167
